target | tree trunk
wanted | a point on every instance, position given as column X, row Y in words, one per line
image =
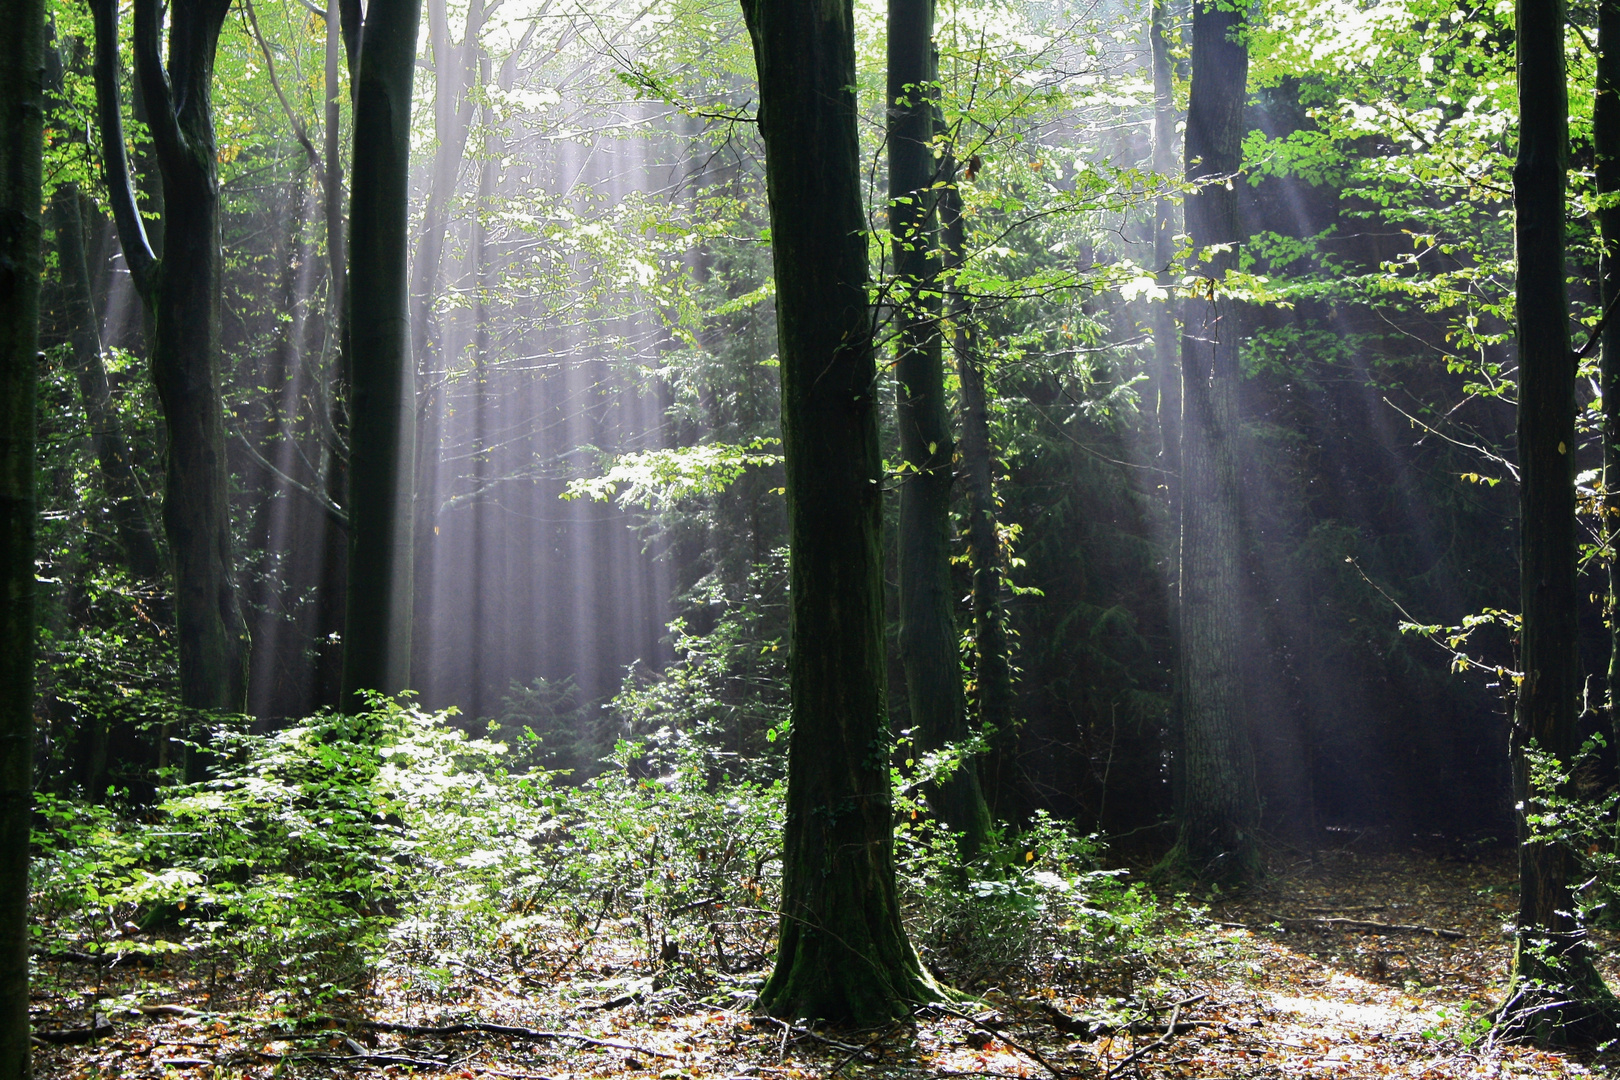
column 1165, row 375
column 1557, row 997
column 377, row 634
column 113, row 458
column 1606, row 151
column 456, row 69
column 992, row 648
column 842, row 952
column 333, row 586
column 183, row 293
column 22, row 110
column 928, row 639
column 1218, row 812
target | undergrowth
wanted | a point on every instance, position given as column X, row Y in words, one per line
column 393, row 845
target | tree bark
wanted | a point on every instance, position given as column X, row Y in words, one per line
column 183, row 293
column 842, row 952
column 377, row 634
column 22, row 110
column 1557, row 996
column 1218, row 811
column 928, row 641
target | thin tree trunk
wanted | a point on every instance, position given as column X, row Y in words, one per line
column 928, row 641
column 1606, row 151
column 1218, row 812
column 1165, row 375
column 1556, row 997
column 377, row 635
column 992, row 649
column 842, row 953
column 113, row 457
column 456, row 71
column 333, row 588
column 22, row 110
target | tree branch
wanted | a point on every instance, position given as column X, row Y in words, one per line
column 160, row 118
column 299, row 131
column 132, row 237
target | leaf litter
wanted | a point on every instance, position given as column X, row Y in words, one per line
column 1293, row 979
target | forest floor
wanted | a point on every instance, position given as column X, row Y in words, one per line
column 1275, row 988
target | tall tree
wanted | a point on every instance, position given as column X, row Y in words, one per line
column 114, row 459
column 842, row 952
column 992, row 647
column 456, row 70
column 182, row 292
column 22, row 111
column 1218, row 804
column 1606, row 151
column 928, row 639
column 382, row 436
column 1168, row 403
column 1557, row 995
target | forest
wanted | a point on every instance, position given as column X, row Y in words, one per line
column 696, row 539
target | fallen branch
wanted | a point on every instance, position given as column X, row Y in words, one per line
column 100, row 1027
column 1097, row 1029
column 1351, row 924
column 128, row 957
column 1138, row 1054
column 509, row 1030
column 792, row 1029
column 1025, row 1050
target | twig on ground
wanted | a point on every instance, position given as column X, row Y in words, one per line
column 793, row 1029
column 1022, row 1049
column 884, row 1034
column 1138, row 1054
column 1097, row 1029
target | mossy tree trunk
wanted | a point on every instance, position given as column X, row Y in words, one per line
column 1557, row 996
column 1218, row 805
column 929, row 654
column 842, row 953
column 382, row 438
column 22, row 110
column 182, row 291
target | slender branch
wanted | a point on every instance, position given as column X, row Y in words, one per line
column 299, row 131
column 1499, row 459
column 160, row 118
column 334, row 513
column 132, row 237
column 1597, row 331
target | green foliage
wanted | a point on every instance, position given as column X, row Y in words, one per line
column 391, row 844
column 1036, row 909
column 1572, row 805
column 653, row 479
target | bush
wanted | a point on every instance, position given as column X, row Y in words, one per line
column 1037, row 908
column 344, row 847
